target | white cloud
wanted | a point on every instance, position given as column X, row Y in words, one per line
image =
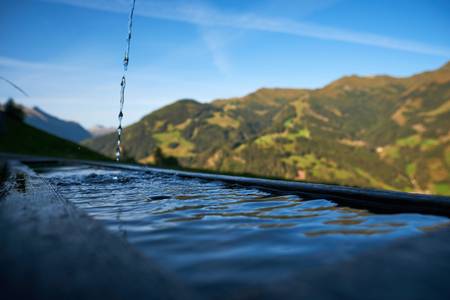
column 206, row 16
column 7, row 62
column 216, row 43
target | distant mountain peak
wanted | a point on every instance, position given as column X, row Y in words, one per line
column 99, row 130
column 68, row 130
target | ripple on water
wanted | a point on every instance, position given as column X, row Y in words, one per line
column 209, row 232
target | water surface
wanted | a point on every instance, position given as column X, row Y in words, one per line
column 215, row 234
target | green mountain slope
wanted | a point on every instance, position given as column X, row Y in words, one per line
column 19, row 138
column 381, row 132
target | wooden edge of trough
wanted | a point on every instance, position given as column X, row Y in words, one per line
column 381, row 201
column 51, row 249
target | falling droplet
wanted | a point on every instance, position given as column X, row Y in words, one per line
column 123, row 82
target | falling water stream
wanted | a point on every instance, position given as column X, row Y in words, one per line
column 123, row 82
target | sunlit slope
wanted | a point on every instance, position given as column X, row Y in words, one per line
column 19, row 138
column 380, row 131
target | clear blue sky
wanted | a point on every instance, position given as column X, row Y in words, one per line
column 67, row 53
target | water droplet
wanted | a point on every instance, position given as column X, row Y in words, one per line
column 123, row 81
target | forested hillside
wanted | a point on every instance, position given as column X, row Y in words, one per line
column 381, row 131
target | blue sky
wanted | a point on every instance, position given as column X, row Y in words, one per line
column 67, row 53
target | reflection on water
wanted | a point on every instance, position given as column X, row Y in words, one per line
column 210, row 232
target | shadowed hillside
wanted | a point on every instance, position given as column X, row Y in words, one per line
column 382, row 132
column 19, row 138
column 68, row 130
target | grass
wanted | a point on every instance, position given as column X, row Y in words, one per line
column 411, row 141
column 326, row 170
column 444, row 108
column 173, row 144
column 392, row 152
column 19, row 138
column 288, row 123
column 411, row 169
column 442, row 189
column 305, row 161
column 184, row 125
column 303, row 133
column 224, row 121
column 429, row 144
column 268, row 140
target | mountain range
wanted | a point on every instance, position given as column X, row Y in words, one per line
column 379, row 131
column 68, row 130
